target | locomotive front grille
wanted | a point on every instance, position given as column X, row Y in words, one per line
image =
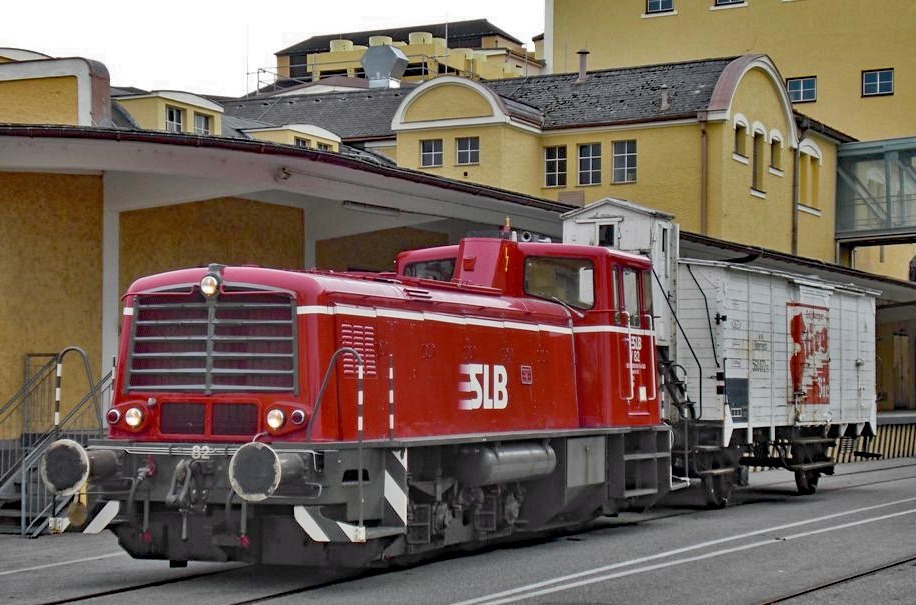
column 237, row 341
column 229, row 418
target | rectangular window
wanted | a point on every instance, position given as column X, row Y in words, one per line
column 302, row 143
column 174, row 118
column 555, row 166
column 590, row 164
column 757, row 168
column 741, row 139
column 776, row 154
column 201, row 124
column 468, row 149
column 323, row 147
column 624, row 161
column 659, row 6
column 431, row 153
column 569, row 280
column 727, row 2
column 877, row 82
column 802, row 90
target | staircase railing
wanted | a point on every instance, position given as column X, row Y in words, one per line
column 15, row 420
column 81, row 423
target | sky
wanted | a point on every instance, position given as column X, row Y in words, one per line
column 216, row 48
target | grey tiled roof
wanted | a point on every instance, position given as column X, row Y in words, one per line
column 233, row 125
column 364, row 114
column 461, row 34
column 606, row 97
column 617, row 96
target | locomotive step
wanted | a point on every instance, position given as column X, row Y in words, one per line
column 636, row 493
column 810, row 466
column 812, row 440
column 717, row 471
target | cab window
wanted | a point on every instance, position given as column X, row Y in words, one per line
column 630, row 303
column 439, row 270
column 568, row 280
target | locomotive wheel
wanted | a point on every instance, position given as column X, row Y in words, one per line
column 806, row 482
column 716, row 490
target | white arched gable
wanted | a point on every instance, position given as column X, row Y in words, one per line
column 724, row 92
column 809, row 147
column 499, row 113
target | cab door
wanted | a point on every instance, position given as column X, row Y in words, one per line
column 638, row 386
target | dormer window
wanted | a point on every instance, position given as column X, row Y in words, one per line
column 202, row 124
column 174, row 119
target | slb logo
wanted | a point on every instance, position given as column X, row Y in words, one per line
column 485, row 386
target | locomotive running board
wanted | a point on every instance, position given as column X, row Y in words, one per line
column 321, row 529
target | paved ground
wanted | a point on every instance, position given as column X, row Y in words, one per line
column 769, row 543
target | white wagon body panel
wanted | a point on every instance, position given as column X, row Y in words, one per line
column 775, row 349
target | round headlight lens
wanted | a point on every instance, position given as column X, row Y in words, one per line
column 297, row 417
column 112, row 416
column 133, row 417
column 275, row 419
column 209, row 285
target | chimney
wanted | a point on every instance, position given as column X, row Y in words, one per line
column 583, row 66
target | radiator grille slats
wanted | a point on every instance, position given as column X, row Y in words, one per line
column 238, row 341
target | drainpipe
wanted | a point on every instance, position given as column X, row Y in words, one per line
column 796, row 195
column 704, row 170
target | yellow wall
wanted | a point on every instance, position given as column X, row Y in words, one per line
column 286, row 136
column 149, row 113
column 373, row 251
column 225, row 230
column 735, row 212
column 40, row 101
column 51, row 274
column 448, row 101
column 831, row 39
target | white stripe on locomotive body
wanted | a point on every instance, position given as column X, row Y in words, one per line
column 400, row 456
column 396, row 496
column 468, row 321
column 308, row 523
column 105, row 516
column 354, row 533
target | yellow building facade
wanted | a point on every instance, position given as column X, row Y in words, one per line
column 724, row 172
column 835, row 53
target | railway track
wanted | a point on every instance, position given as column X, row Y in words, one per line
column 273, row 588
column 844, row 580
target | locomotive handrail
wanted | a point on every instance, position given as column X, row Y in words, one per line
column 686, row 340
column 654, row 361
column 359, row 414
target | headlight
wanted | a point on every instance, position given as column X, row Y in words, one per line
column 297, row 417
column 133, row 417
column 209, row 285
column 112, row 416
column 275, row 419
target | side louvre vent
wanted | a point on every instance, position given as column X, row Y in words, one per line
column 362, row 338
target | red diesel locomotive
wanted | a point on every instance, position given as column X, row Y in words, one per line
column 320, row 418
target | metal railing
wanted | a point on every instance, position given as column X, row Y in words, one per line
column 20, row 415
column 31, row 420
column 81, row 423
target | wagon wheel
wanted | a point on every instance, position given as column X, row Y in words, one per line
column 806, row 482
column 716, row 490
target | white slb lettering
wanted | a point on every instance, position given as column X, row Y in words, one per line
column 486, row 387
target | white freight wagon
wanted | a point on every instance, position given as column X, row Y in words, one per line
column 776, row 351
column 759, row 367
